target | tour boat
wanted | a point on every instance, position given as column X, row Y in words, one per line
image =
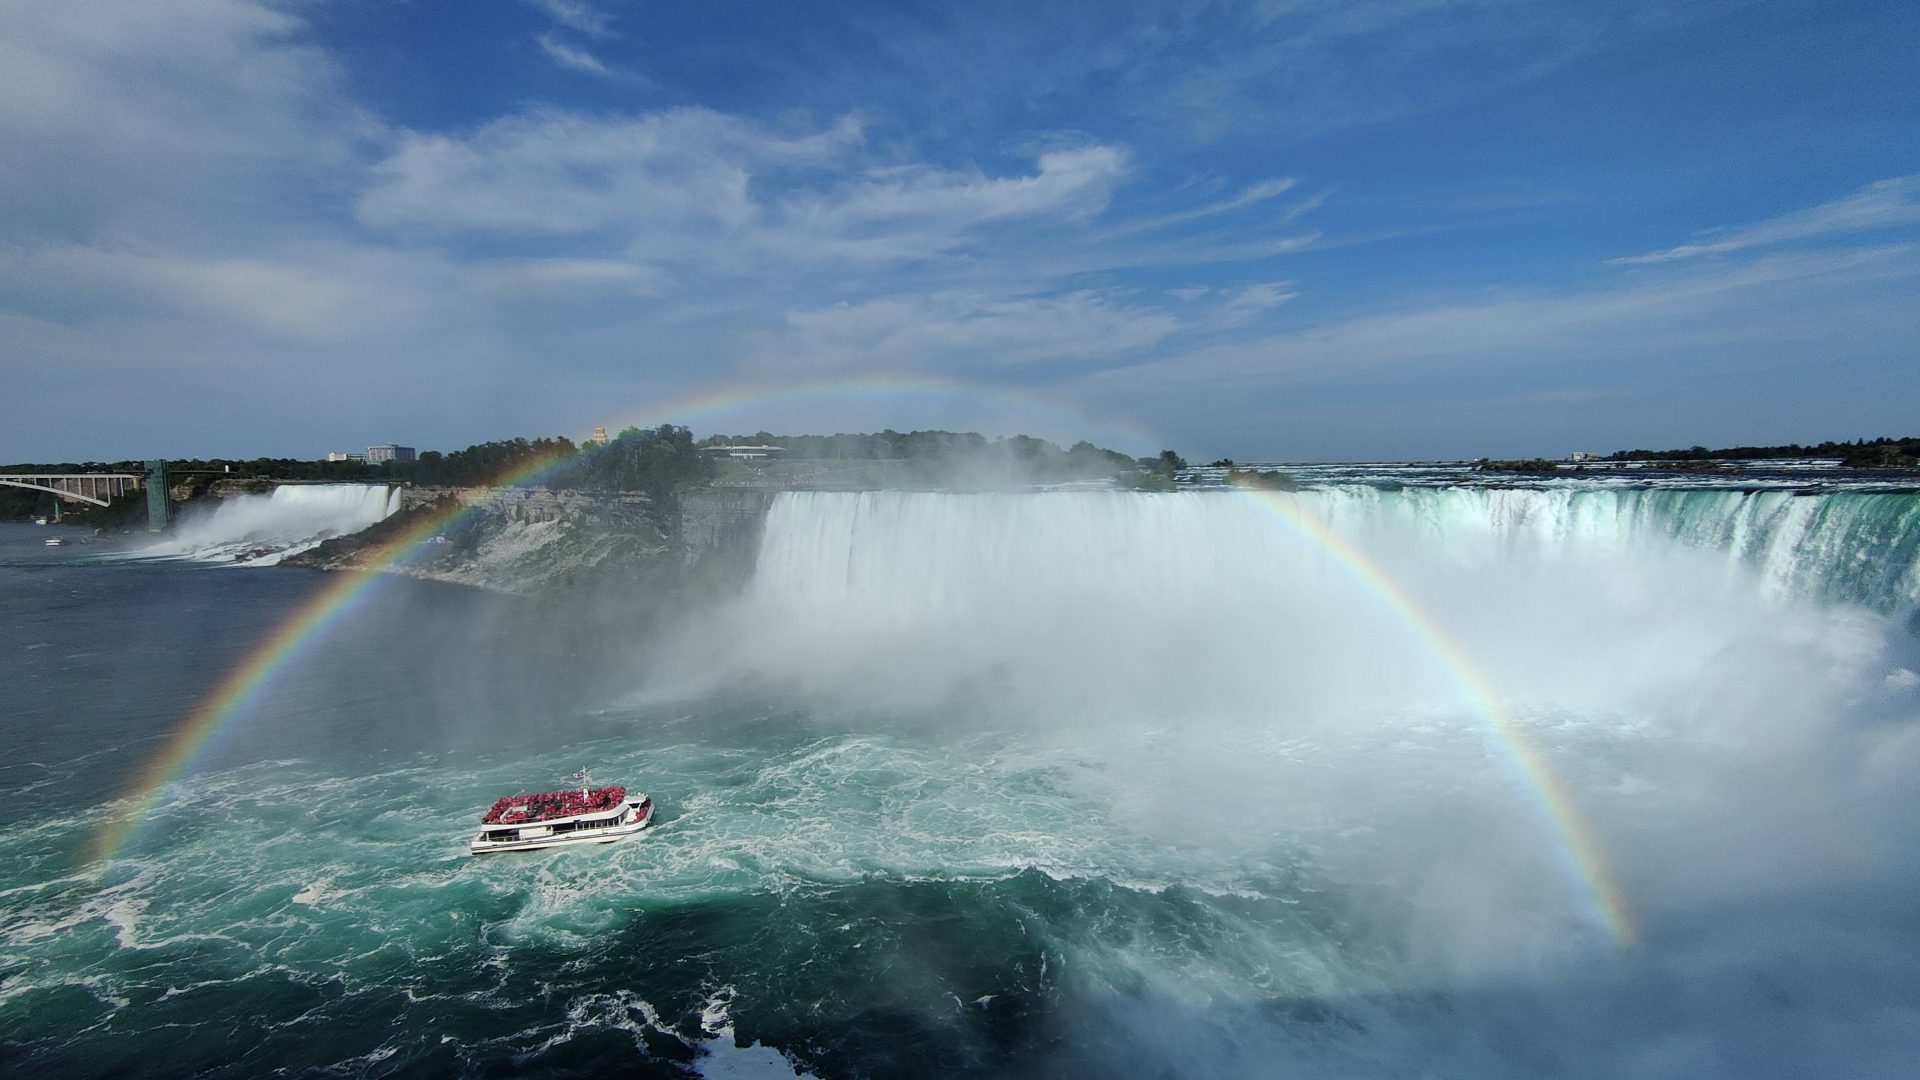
column 54, row 541
column 586, row 815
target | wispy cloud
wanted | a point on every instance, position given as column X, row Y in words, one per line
column 198, row 186
column 1252, row 299
column 674, row 184
column 1881, row 205
column 579, row 16
column 1248, row 196
column 568, row 56
column 1543, row 328
column 1074, row 182
column 1247, row 230
column 538, row 276
column 667, row 174
column 956, row 332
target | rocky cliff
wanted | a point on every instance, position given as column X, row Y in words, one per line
column 542, row 540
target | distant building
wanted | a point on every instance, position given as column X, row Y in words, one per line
column 341, row 455
column 1582, row 455
column 743, row 453
column 378, row 455
column 598, row 438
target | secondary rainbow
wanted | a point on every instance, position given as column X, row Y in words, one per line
column 1578, row 848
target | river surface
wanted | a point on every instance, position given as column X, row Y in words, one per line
column 1385, row 778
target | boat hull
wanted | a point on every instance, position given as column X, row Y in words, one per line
column 643, row 817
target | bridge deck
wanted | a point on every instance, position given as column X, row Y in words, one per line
column 96, row 488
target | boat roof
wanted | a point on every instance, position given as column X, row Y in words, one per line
column 554, row 805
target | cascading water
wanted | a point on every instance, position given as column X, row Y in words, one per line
column 1286, row 702
column 1860, row 547
column 261, row 530
column 1230, row 586
column 1335, row 783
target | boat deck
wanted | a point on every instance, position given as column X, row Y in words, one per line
column 554, row 805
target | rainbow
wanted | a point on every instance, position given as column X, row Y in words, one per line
column 244, row 679
column 1578, row 848
column 226, row 699
column 1580, row 851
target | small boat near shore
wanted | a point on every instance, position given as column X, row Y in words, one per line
column 54, row 541
column 584, row 815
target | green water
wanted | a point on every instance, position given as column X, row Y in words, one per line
column 905, row 833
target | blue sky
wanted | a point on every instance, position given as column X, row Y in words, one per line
column 1297, row 229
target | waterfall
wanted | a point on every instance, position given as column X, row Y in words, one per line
column 1233, row 601
column 953, row 550
column 1851, row 547
column 260, row 530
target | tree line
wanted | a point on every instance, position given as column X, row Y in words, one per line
column 953, row 451
column 658, row 460
column 1883, row 452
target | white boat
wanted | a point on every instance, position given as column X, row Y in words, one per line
column 54, row 541
column 586, row 815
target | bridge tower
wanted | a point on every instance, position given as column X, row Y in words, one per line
column 156, row 495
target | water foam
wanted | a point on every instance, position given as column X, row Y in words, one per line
column 1140, row 787
column 260, row 530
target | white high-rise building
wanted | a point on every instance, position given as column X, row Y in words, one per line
column 389, row 452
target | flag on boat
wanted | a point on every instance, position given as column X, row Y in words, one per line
column 581, row 775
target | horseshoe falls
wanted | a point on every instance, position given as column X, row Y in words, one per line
column 1378, row 778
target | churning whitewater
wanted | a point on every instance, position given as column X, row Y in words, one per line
column 1198, row 784
column 262, row 529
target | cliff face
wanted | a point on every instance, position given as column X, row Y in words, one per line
column 721, row 524
column 540, row 540
column 622, row 511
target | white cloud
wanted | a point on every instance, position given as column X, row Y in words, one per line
column 704, row 186
column 961, row 332
column 549, row 172
column 1253, row 299
column 569, row 57
column 1749, row 303
column 577, row 15
column 122, row 115
column 533, row 276
column 914, row 212
column 1251, row 195
column 1880, row 205
column 315, row 294
column 1075, row 183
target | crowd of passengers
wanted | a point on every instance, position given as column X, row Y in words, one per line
column 515, row 809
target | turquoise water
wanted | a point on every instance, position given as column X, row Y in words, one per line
column 956, row 789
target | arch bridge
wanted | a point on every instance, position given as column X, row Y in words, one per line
column 96, row 488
